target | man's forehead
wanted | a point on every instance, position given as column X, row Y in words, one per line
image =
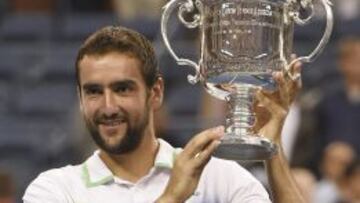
column 109, row 68
column 117, row 61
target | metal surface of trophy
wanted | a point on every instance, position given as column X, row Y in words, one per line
column 242, row 43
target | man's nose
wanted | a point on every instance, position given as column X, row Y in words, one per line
column 110, row 106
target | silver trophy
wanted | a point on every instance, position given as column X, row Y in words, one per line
column 242, row 43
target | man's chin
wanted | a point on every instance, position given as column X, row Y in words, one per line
column 120, row 140
column 118, row 145
column 112, row 149
column 112, row 142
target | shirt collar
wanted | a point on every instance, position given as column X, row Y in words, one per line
column 95, row 172
column 166, row 155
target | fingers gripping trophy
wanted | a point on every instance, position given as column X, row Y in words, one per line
column 242, row 43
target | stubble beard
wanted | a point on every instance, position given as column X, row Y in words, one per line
column 131, row 139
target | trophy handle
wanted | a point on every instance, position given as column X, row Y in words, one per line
column 324, row 40
column 184, row 6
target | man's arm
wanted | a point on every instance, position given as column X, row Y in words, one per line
column 282, row 183
column 277, row 104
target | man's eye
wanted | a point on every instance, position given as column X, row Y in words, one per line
column 123, row 89
column 93, row 91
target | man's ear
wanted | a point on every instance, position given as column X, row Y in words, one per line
column 80, row 99
column 158, row 93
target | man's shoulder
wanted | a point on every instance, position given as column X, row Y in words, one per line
column 59, row 176
column 54, row 184
column 229, row 166
column 232, row 180
column 62, row 173
column 230, row 172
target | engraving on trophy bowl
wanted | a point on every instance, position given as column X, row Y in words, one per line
column 242, row 45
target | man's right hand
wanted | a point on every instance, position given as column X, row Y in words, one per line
column 189, row 165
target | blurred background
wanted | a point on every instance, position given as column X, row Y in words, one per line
column 40, row 124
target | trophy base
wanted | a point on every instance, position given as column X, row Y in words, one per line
column 247, row 148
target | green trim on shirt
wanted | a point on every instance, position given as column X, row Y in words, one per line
column 164, row 159
column 163, row 165
column 87, row 180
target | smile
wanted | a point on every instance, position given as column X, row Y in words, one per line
column 113, row 122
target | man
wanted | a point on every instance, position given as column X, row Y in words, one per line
column 120, row 88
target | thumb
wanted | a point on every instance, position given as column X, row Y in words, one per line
column 276, row 110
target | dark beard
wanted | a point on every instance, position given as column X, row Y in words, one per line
column 131, row 139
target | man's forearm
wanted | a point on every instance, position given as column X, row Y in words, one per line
column 283, row 185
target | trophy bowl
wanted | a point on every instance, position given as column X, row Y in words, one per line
column 242, row 43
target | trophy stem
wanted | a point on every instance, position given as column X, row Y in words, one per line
column 240, row 118
column 240, row 142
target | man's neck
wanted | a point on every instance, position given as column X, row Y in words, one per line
column 136, row 164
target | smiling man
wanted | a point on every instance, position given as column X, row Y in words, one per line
column 120, row 88
column 115, row 100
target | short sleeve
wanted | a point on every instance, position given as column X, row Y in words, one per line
column 45, row 189
column 246, row 188
column 227, row 181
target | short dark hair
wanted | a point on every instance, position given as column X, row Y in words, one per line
column 122, row 40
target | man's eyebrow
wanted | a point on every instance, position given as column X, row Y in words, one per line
column 122, row 83
column 90, row 85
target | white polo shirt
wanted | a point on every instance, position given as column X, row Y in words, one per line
column 92, row 182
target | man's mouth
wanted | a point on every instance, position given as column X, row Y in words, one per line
column 113, row 122
column 112, row 127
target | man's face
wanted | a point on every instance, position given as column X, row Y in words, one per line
column 350, row 61
column 115, row 101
